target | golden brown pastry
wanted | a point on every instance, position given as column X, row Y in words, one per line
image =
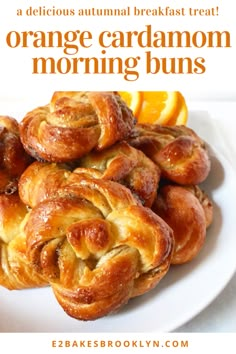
column 44, row 180
column 13, row 158
column 97, row 246
column 124, row 164
column 15, row 269
column 205, row 202
column 184, row 213
column 74, row 123
column 41, row 180
column 120, row 163
column 178, row 151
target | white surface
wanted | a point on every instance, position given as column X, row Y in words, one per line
column 185, row 291
column 220, row 315
column 16, row 63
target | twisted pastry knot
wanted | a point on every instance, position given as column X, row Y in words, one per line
column 97, row 246
column 178, row 151
column 189, row 212
column 121, row 163
column 131, row 167
column 205, row 202
column 15, row 269
column 13, row 158
column 74, row 123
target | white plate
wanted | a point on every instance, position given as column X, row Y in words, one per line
column 183, row 293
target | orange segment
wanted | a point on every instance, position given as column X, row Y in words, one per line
column 132, row 99
column 157, row 106
column 181, row 115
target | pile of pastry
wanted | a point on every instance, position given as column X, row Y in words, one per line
column 96, row 206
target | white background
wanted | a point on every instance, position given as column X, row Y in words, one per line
column 217, row 82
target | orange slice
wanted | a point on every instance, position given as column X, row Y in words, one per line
column 157, row 107
column 132, row 99
column 181, row 115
